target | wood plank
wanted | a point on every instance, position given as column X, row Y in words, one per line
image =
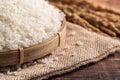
column 106, row 69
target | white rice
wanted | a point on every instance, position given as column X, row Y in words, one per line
column 27, row 22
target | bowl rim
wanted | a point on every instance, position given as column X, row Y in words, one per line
column 23, row 55
column 41, row 43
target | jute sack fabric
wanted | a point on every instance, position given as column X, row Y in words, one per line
column 80, row 49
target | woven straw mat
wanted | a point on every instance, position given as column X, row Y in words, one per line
column 81, row 47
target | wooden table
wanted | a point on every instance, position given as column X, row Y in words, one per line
column 107, row 69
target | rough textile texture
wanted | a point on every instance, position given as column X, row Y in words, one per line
column 80, row 49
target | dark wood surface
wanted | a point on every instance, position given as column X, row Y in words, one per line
column 107, row 69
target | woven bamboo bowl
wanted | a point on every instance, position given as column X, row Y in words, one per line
column 22, row 55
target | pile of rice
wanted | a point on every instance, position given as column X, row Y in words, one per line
column 27, row 22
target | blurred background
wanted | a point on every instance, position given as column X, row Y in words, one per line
column 100, row 16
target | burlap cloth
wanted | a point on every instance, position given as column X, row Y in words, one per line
column 92, row 48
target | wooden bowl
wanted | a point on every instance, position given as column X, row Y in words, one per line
column 22, row 55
